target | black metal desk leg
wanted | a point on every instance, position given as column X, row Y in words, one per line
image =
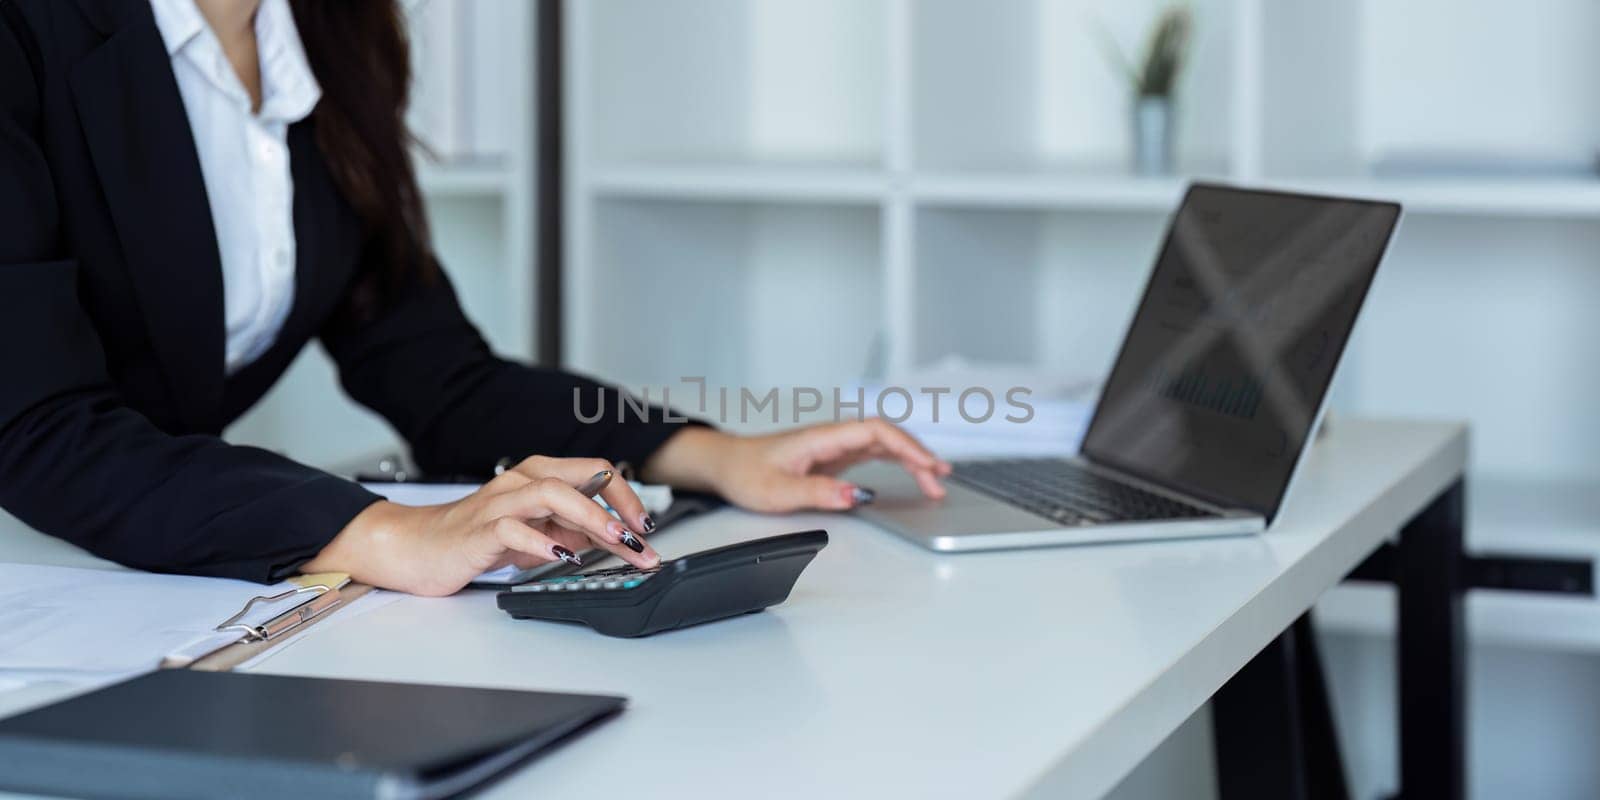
column 1432, row 675
column 1273, row 728
column 1256, row 724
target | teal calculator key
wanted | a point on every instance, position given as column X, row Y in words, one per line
column 632, row 583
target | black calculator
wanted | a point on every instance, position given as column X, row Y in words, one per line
column 701, row 587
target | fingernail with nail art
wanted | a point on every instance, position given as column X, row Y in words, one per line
column 567, row 555
column 625, row 536
column 861, row 495
column 648, row 523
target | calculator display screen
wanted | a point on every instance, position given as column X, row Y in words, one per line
column 1232, row 349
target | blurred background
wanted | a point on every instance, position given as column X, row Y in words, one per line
column 772, row 193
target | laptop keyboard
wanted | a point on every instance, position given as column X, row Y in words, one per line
column 1064, row 491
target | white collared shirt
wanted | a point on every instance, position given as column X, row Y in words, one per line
column 244, row 156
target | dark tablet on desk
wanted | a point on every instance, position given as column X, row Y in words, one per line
column 182, row 733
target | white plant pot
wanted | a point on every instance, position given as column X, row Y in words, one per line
column 1152, row 136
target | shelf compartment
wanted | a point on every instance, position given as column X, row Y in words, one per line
column 1451, row 96
column 1050, row 289
column 785, row 81
column 1490, row 320
column 1345, row 86
column 1026, row 85
column 472, row 242
column 743, row 294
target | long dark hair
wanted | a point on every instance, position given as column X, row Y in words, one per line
column 360, row 54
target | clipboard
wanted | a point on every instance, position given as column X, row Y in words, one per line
column 266, row 621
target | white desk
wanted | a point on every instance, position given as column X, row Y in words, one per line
column 892, row 671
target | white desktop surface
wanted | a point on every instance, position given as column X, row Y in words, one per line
column 894, row 671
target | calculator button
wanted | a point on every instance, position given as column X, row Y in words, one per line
column 592, row 584
column 612, row 583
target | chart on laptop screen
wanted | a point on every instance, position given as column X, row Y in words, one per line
column 1232, row 349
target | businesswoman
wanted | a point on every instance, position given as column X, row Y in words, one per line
column 190, row 192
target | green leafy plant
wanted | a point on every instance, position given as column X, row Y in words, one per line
column 1164, row 54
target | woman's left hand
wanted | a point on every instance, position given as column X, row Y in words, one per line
column 793, row 470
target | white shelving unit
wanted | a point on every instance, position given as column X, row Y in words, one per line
column 981, row 135
column 942, row 159
column 482, row 213
column 772, row 192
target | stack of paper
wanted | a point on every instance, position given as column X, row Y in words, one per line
column 1055, row 429
column 1008, row 409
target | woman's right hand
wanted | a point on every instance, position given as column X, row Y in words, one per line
column 528, row 515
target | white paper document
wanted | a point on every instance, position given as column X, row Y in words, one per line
column 421, row 494
column 66, row 623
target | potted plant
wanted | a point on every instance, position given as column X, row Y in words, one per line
column 1154, row 82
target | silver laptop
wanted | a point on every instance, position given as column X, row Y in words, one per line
column 1213, row 398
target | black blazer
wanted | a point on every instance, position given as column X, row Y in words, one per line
column 112, row 387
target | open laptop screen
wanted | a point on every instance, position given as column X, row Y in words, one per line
column 1231, row 351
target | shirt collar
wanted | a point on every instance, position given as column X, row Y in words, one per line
column 179, row 22
column 289, row 90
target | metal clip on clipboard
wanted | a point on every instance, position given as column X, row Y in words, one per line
column 324, row 598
